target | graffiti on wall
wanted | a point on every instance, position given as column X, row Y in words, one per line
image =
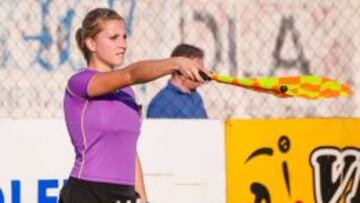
column 62, row 39
column 239, row 39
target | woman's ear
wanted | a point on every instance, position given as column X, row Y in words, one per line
column 90, row 44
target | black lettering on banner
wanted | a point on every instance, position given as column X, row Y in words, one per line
column 261, row 193
column 335, row 172
column 260, row 190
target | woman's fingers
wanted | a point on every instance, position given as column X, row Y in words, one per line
column 189, row 69
column 197, row 76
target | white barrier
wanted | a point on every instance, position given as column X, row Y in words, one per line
column 183, row 161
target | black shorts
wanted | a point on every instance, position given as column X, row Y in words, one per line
column 82, row 191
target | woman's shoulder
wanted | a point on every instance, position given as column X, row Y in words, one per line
column 83, row 71
column 82, row 74
column 80, row 78
column 78, row 82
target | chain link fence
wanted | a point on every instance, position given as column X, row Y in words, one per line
column 241, row 38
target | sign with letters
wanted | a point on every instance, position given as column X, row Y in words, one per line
column 293, row 160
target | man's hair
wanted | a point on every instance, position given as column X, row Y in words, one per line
column 188, row 51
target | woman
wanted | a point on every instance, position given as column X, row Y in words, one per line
column 102, row 116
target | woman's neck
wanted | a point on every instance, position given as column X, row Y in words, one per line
column 99, row 66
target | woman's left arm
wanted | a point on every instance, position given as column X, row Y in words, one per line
column 139, row 180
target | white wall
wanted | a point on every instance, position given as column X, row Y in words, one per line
column 183, row 161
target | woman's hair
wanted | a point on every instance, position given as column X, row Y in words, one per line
column 91, row 26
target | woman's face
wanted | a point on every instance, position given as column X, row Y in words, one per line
column 110, row 43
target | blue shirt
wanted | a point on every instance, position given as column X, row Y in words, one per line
column 171, row 102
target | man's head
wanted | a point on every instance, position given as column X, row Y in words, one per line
column 194, row 53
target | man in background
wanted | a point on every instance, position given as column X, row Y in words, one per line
column 179, row 98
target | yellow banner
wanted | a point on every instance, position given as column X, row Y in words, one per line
column 293, row 160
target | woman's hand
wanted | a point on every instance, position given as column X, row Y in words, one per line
column 189, row 69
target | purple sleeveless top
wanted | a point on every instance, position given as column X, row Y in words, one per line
column 104, row 131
